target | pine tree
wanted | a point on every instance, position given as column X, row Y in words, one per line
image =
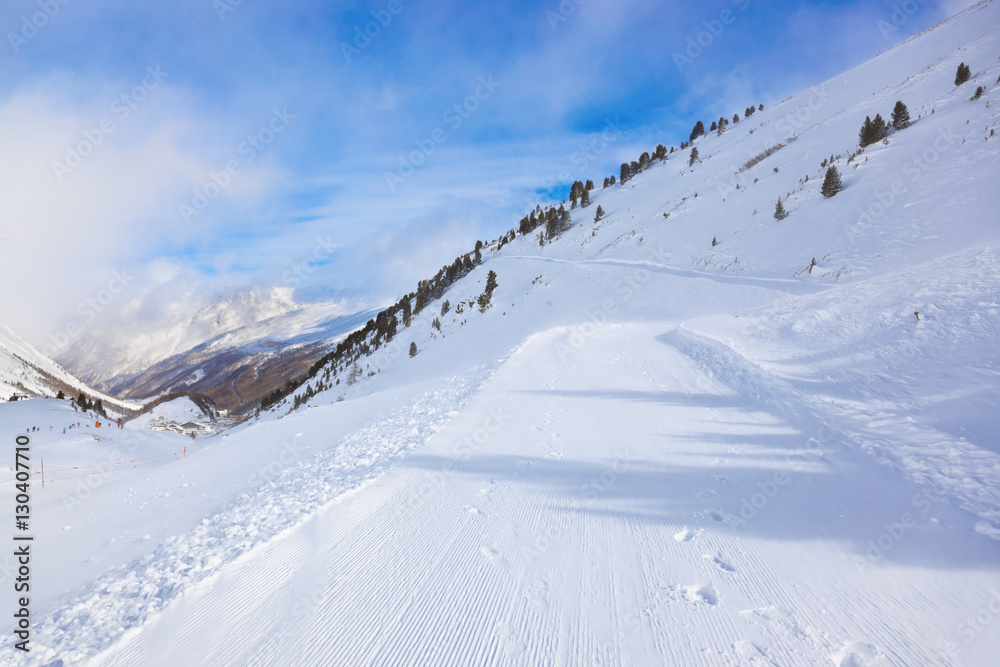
column 599, row 214
column 832, row 183
column 661, row 152
column 445, row 307
column 714, row 127
column 487, row 295
column 624, row 173
column 575, row 192
column 413, row 349
column 405, row 304
column 612, row 179
column 865, row 133
column 699, row 129
column 736, row 118
column 423, row 290
column 61, row 396
column 607, row 181
column 590, row 185
column 873, row 131
column 880, row 130
column 643, row 161
column 779, row 211
column 694, row 156
column 963, row 74
column 585, row 199
column 556, row 222
column 900, row 116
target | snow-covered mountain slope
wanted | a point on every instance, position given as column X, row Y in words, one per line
column 648, row 450
column 107, row 356
column 27, row 372
column 238, row 368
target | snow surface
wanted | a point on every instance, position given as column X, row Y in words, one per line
column 649, row 450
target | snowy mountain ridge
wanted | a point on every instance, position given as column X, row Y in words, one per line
column 28, row 373
column 102, row 354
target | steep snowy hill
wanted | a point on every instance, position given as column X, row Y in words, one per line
column 27, row 372
column 649, row 449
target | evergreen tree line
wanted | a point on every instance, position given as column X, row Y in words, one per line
column 85, row 404
column 874, row 131
column 719, row 125
column 555, row 220
column 379, row 331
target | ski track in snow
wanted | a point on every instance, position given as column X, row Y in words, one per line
column 786, row 285
column 124, row 598
column 556, row 541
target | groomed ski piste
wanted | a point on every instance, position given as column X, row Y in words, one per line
column 649, row 450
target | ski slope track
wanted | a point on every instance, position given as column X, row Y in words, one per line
column 648, row 450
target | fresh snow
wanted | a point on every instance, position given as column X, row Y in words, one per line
column 648, row 450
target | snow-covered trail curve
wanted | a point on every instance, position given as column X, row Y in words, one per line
column 529, row 530
column 788, row 286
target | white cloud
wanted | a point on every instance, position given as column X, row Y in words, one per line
column 71, row 223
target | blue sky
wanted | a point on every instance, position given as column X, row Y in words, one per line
column 257, row 105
